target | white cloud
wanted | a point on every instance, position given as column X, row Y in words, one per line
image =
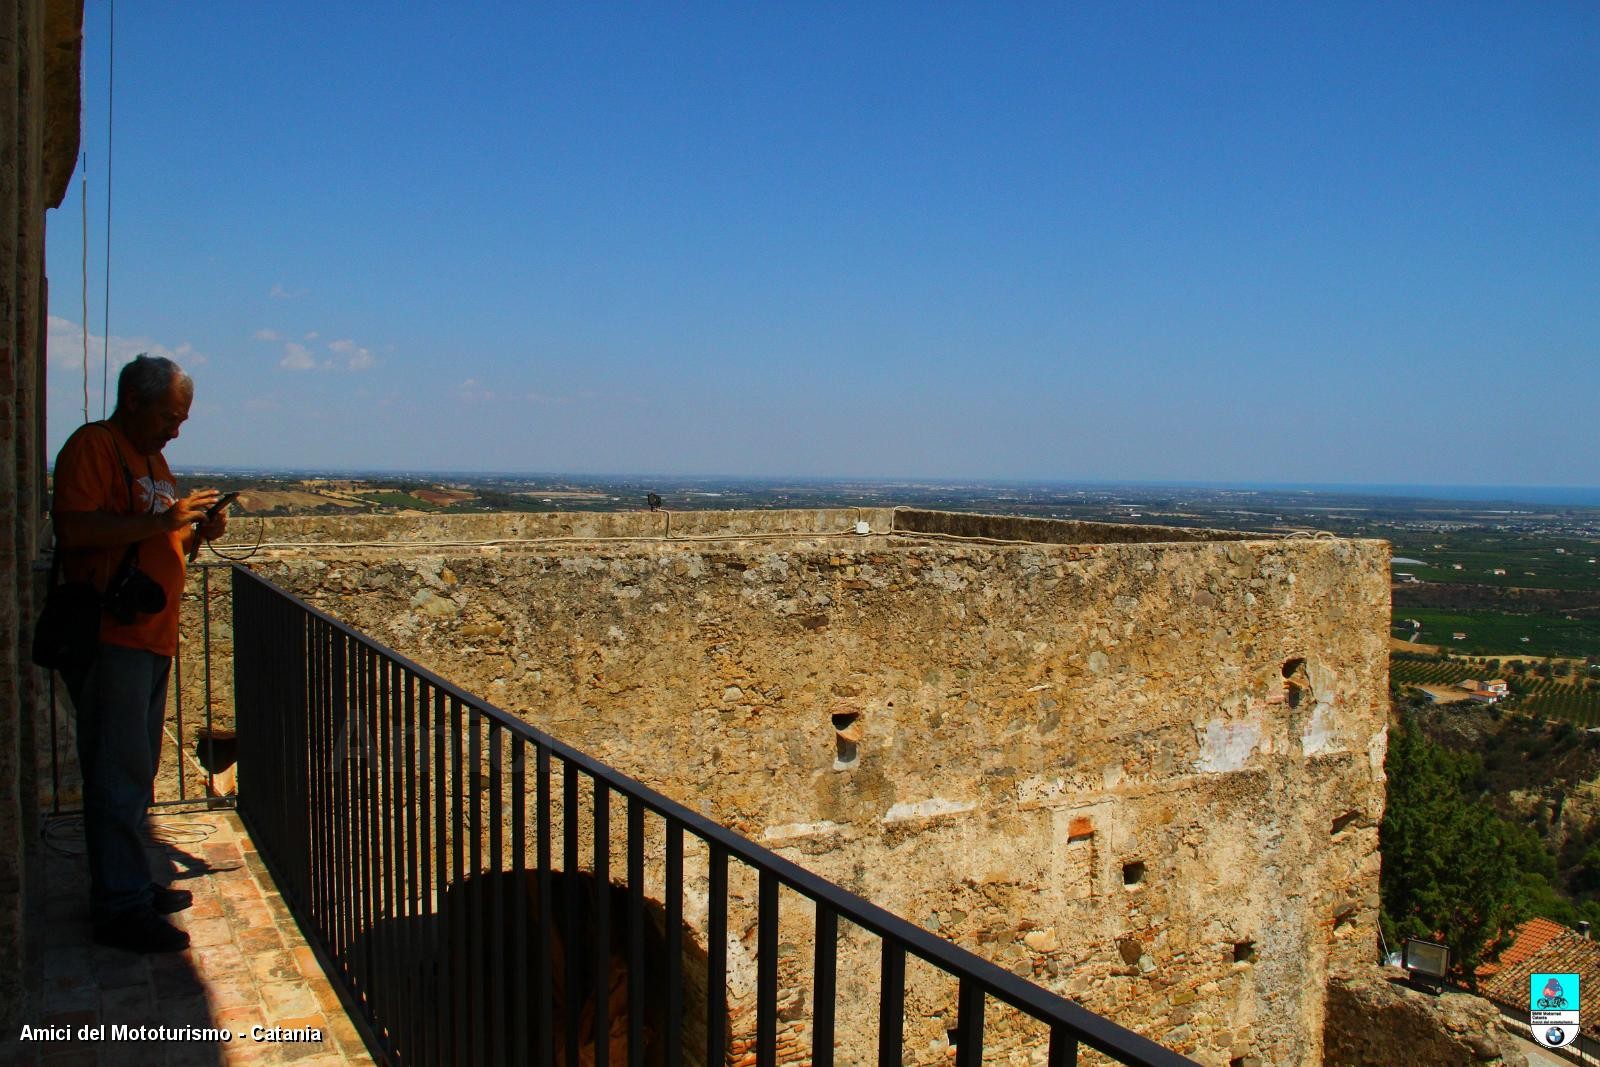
column 295, row 357
column 473, row 392
column 355, row 357
column 267, row 335
column 312, row 336
column 278, row 292
column 64, row 348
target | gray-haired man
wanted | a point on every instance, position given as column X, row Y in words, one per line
column 113, row 490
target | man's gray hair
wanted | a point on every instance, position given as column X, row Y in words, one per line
column 147, row 378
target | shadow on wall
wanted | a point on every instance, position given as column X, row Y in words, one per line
column 462, row 990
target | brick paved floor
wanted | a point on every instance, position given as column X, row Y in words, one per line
column 247, row 964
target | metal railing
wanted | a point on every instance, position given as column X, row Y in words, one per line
column 480, row 904
column 186, row 776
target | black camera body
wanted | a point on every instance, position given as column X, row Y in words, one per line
column 132, row 593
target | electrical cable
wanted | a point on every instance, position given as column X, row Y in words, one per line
column 83, row 197
column 111, row 88
column 63, row 834
column 261, row 530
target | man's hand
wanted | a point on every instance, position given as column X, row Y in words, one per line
column 215, row 526
column 191, row 509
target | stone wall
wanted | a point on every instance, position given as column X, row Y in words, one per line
column 1146, row 774
column 1374, row 1021
column 40, row 42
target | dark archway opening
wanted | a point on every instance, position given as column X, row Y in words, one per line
column 471, row 991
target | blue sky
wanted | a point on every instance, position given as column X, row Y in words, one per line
column 1302, row 243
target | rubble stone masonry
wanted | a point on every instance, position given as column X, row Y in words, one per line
column 1142, row 767
column 40, row 44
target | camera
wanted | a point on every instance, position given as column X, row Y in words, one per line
column 131, row 593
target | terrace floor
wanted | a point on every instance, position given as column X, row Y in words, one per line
column 247, row 965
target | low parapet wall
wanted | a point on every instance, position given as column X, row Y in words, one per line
column 420, row 528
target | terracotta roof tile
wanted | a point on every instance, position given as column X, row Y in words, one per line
column 1531, row 937
column 1561, row 953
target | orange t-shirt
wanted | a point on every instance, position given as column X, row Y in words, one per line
column 90, row 477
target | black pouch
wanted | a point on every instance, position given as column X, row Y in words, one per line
column 68, row 631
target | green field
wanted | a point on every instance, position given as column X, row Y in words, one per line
column 1544, row 698
column 1528, row 561
column 1431, row 671
column 1494, row 634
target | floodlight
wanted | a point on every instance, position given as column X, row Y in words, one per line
column 1426, row 962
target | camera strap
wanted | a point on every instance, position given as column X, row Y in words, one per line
column 130, row 558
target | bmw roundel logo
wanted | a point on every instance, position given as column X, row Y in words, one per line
column 1554, row 1035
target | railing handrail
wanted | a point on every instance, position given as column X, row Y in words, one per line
column 1092, row 1029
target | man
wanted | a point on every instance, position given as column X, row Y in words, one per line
column 113, row 490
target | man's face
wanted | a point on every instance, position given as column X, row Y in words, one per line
column 152, row 425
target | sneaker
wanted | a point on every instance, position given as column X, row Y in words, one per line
column 166, row 900
column 141, row 932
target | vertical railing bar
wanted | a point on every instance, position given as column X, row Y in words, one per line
column 355, row 759
column 394, row 860
column 344, row 826
column 409, row 880
column 444, row 946
column 602, row 922
column 205, row 630
column 474, row 886
column 674, row 980
column 460, row 791
column 1063, row 1048
column 544, row 927
column 824, row 985
column 351, row 851
column 381, row 932
column 717, row 955
column 767, row 970
column 572, row 895
column 969, row 1023
column 498, row 1022
column 429, row 847
column 296, row 743
column 636, row 921
column 891, row 1004
column 427, row 913
column 177, row 705
column 369, row 823
column 519, row 915
column 322, row 796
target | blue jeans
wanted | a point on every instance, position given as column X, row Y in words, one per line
column 121, row 702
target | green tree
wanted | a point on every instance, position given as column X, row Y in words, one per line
column 1447, row 870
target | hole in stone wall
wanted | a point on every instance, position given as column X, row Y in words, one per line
column 1345, row 820
column 1133, row 873
column 1244, row 952
column 1296, row 684
column 1344, row 918
column 846, row 738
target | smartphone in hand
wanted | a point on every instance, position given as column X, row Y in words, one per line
column 222, row 502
